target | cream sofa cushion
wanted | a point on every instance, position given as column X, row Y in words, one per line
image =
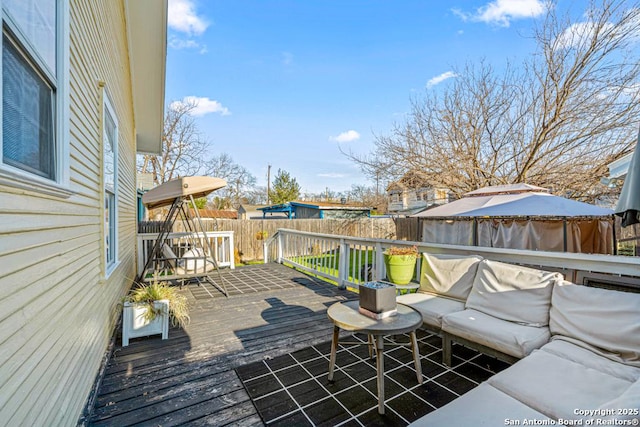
column 192, row 262
column 170, row 256
column 514, row 293
column 506, row 337
column 449, row 275
column 606, row 319
column 625, row 406
column 576, row 351
column 482, row 406
column 431, row 307
column 557, row 387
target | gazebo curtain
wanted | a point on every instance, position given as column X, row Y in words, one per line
column 582, row 235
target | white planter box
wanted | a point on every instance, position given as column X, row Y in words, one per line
column 134, row 324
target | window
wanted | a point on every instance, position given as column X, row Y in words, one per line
column 34, row 75
column 110, row 183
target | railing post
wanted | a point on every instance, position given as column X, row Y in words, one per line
column 343, row 266
column 141, row 255
column 266, row 245
column 265, row 250
column 379, row 262
column 232, row 253
column 279, row 247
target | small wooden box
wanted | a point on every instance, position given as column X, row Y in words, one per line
column 378, row 297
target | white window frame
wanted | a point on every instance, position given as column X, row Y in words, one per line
column 19, row 178
column 110, row 230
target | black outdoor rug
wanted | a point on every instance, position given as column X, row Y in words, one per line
column 239, row 282
column 293, row 389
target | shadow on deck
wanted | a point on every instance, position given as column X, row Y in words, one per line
column 189, row 378
column 272, row 334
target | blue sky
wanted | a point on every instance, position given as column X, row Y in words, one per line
column 287, row 82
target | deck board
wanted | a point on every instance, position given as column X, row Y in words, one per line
column 190, row 377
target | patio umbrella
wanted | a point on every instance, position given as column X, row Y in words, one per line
column 628, row 206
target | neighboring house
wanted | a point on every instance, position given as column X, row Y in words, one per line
column 408, row 199
column 250, row 211
column 144, row 183
column 317, row 210
column 83, row 91
column 618, row 170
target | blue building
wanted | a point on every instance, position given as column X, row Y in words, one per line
column 316, row 210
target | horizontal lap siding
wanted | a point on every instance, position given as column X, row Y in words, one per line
column 57, row 309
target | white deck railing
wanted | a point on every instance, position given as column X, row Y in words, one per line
column 350, row 261
column 220, row 243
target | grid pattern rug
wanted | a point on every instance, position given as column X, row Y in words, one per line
column 293, row 389
column 241, row 281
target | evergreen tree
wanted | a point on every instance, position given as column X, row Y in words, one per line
column 284, row 189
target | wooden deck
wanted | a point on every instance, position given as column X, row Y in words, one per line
column 190, row 378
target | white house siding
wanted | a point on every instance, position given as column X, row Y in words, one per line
column 57, row 309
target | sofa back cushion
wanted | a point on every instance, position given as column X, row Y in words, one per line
column 514, row 293
column 603, row 318
column 448, row 275
column 170, row 256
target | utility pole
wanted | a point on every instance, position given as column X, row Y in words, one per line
column 268, row 184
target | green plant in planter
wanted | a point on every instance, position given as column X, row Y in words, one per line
column 146, row 294
column 400, row 263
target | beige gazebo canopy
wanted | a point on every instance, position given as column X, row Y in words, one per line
column 195, row 258
column 195, row 186
column 520, row 216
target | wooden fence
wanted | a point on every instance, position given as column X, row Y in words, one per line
column 250, row 234
column 408, row 229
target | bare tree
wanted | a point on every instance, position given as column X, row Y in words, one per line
column 556, row 121
column 368, row 196
column 256, row 195
column 182, row 147
column 239, row 180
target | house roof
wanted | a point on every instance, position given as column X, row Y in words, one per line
column 250, row 208
column 507, row 189
column 329, row 205
column 313, row 205
column 218, row 213
column 146, row 22
column 411, row 180
column 618, row 168
column 289, row 208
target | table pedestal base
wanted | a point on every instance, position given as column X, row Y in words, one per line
column 377, row 342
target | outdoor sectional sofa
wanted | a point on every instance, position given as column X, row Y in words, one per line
column 576, row 348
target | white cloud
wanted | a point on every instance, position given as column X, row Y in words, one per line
column 582, row 33
column 178, row 43
column 502, row 12
column 332, row 175
column 442, row 77
column 572, row 36
column 203, row 106
column 182, row 16
column 287, row 58
column 348, row 136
